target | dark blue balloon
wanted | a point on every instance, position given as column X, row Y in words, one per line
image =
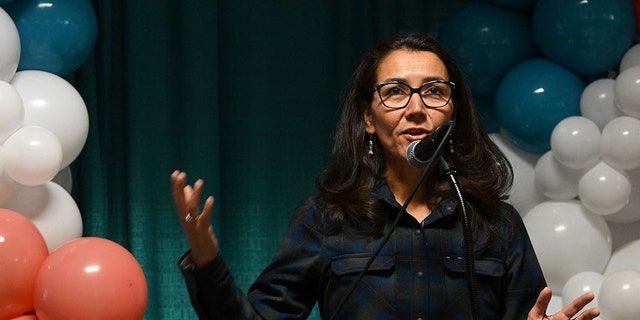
column 532, row 98
column 587, row 37
column 486, row 41
column 56, row 36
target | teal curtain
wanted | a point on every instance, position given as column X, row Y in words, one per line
column 242, row 94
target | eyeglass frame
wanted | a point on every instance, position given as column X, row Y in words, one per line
column 413, row 90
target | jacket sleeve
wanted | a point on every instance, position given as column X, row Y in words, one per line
column 213, row 291
column 286, row 289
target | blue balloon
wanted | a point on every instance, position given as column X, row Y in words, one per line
column 56, row 36
column 532, row 99
column 587, row 37
column 486, row 41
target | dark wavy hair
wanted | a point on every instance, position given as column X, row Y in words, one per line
column 484, row 173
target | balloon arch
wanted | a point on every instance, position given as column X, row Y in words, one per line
column 43, row 127
column 558, row 86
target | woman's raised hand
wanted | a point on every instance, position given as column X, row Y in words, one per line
column 538, row 312
column 195, row 223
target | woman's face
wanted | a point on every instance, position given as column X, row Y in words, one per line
column 397, row 128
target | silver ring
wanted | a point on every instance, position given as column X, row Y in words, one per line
column 188, row 218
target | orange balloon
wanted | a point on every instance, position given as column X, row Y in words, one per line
column 22, row 251
column 90, row 278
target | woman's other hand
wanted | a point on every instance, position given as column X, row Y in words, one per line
column 538, row 312
column 195, row 223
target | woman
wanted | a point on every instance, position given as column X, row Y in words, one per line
column 420, row 271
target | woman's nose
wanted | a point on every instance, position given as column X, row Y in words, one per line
column 415, row 105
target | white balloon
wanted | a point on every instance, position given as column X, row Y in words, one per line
column 51, row 102
column 627, row 91
column 51, row 209
column 604, row 190
column 626, row 257
column 32, row 155
column 10, row 48
column 620, row 296
column 568, row 239
column 631, row 58
column 631, row 211
column 598, row 103
column 620, row 143
column 524, row 193
column 575, row 142
column 11, row 110
column 581, row 283
column 555, row 180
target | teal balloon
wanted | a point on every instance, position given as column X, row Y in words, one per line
column 532, row 99
column 56, row 36
column 587, row 37
column 486, row 41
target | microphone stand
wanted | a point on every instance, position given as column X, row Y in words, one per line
column 447, row 168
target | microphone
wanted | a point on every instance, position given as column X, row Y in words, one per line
column 420, row 152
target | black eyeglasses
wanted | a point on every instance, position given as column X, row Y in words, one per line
column 434, row 94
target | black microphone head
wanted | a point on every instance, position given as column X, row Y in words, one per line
column 411, row 156
column 420, row 152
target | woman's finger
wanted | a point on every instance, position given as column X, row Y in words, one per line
column 589, row 314
column 576, row 305
column 178, row 180
column 540, row 308
column 177, row 184
column 207, row 209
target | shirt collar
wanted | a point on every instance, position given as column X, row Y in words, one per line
column 382, row 192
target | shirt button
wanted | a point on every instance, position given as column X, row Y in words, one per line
column 418, row 232
column 419, row 274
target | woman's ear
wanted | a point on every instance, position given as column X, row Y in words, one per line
column 368, row 123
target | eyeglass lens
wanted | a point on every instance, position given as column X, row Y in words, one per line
column 397, row 95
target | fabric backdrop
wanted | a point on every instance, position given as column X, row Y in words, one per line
column 243, row 94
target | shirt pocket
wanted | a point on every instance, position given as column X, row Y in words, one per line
column 490, row 273
column 355, row 263
column 490, row 267
column 376, row 290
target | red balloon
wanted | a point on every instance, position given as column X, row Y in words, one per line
column 22, row 251
column 26, row 317
column 90, row 278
